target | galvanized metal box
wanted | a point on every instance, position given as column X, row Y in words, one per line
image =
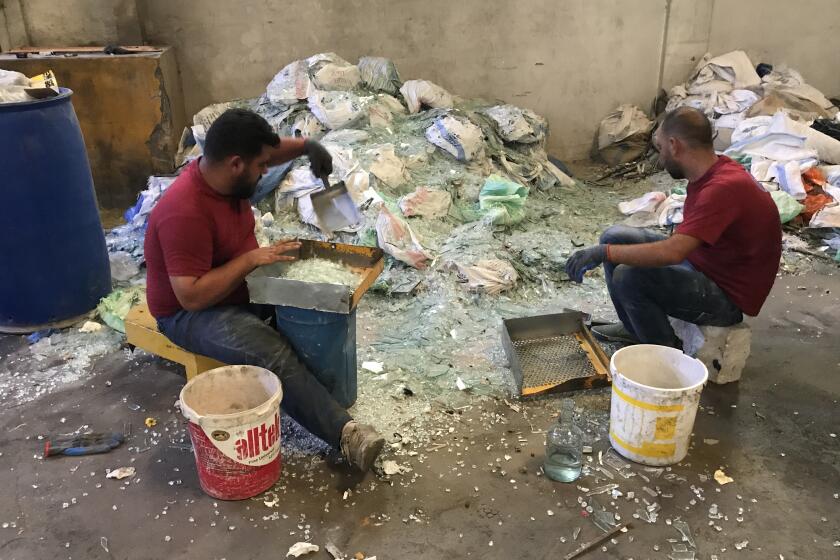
column 267, row 285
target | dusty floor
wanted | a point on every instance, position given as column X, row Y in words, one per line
column 472, row 486
column 472, row 491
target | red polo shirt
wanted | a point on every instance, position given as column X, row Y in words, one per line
column 739, row 226
column 192, row 230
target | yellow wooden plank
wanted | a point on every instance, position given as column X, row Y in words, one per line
column 370, row 277
column 141, row 331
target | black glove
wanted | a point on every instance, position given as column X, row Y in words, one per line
column 585, row 259
column 83, row 444
column 320, row 159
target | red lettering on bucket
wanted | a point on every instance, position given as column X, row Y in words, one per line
column 258, row 440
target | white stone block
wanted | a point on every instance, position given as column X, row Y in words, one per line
column 724, row 350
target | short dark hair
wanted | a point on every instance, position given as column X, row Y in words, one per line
column 238, row 132
column 689, row 125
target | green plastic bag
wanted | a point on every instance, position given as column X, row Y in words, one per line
column 789, row 207
column 502, row 201
column 115, row 306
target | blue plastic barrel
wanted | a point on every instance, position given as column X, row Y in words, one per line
column 326, row 343
column 53, row 261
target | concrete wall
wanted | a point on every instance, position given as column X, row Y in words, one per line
column 562, row 59
column 76, row 22
column 804, row 35
column 570, row 60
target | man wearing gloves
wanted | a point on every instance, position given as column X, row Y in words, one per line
column 720, row 262
column 200, row 246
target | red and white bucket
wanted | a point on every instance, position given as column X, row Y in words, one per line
column 234, row 423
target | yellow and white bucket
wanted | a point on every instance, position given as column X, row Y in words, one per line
column 655, row 393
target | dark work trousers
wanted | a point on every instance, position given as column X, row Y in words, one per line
column 238, row 334
column 644, row 298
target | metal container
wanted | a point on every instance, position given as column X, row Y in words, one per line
column 553, row 352
column 267, row 285
column 52, row 248
column 326, row 344
column 319, row 320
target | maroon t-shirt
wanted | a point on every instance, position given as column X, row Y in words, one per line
column 739, row 226
column 192, row 230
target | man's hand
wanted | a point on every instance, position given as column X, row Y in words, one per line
column 195, row 294
column 320, row 159
column 273, row 253
column 584, row 260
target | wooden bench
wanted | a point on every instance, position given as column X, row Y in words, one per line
column 141, row 331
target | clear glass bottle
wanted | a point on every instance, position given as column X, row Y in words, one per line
column 564, row 446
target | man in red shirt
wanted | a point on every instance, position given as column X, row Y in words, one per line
column 720, row 262
column 200, row 246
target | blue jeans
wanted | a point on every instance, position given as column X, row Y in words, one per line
column 239, row 334
column 644, row 298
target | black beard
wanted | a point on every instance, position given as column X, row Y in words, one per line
column 674, row 171
column 243, row 189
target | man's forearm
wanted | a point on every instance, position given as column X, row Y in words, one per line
column 645, row 255
column 289, row 149
column 668, row 252
column 217, row 284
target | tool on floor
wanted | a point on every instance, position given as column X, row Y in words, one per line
column 554, row 352
column 82, row 444
column 334, row 207
column 585, row 547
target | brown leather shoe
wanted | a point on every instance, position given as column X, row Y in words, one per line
column 361, row 445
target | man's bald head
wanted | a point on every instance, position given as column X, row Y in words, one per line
column 689, row 125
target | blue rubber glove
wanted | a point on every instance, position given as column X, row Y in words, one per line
column 585, row 260
column 320, row 159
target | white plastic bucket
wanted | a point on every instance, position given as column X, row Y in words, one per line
column 655, row 393
column 234, row 415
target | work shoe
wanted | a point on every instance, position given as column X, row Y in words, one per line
column 361, row 445
column 614, row 332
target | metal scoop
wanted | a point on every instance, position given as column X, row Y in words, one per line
column 334, row 207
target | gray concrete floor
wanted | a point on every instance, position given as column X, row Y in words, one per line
column 465, row 499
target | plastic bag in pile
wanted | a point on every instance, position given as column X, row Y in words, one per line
column 380, row 74
column 788, row 207
column 426, row 202
column 396, row 238
column 336, row 109
column 624, row 122
column 518, row 125
column 501, row 201
column 331, row 72
column 460, row 138
column 209, row 114
column 491, row 276
column 297, row 183
column 291, row 84
column 418, row 93
column 386, row 166
column 382, row 109
column 308, row 126
column 623, row 135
